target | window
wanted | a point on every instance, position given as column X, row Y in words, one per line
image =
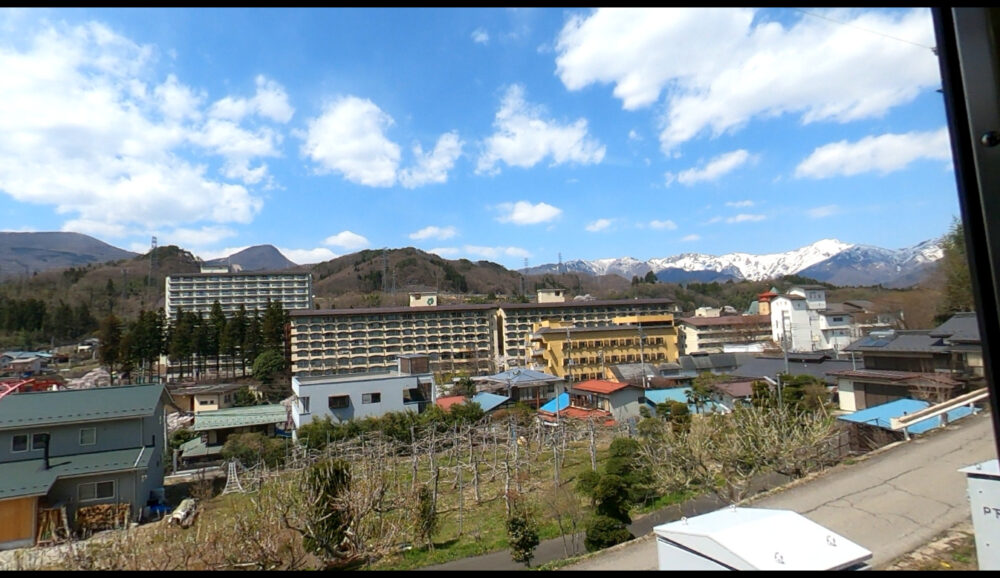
column 339, row 401
column 19, row 443
column 88, row 436
column 304, row 402
column 38, row 441
column 371, row 398
column 96, row 491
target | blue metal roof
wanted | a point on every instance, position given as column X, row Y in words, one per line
column 880, row 415
column 560, row 403
column 489, row 401
column 519, row 376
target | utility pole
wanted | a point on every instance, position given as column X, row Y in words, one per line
column 642, row 362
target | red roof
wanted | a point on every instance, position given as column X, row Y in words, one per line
column 445, row 403
column 600, row 386
column 574, row 412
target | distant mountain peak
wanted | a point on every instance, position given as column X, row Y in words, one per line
column 256, row 258
column 824, row 260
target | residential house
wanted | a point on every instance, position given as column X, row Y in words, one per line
column 621, row 400
column 871, row 428
column 933, row 365
column 487, row 401
column 559, row 408
column 534, row 388
column 216, row 426
column 197, row 398
column 346, row 397
column 64, row 451
column 655, row 397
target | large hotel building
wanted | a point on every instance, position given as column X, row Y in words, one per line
column 198, row 291
column 473, row 338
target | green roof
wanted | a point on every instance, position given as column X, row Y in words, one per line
column 40, row 408
column 29, row 478
column 239, row 417
column 195, row 448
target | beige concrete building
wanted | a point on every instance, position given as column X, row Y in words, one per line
column 472, row 338
column 198, row 291
column 713, row 334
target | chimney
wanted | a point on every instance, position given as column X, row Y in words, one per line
column 45, row 451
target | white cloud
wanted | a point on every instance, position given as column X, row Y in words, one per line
column 744, row 218
column 87, row 126
column 689, row 238
column 434, row 166
column 882, row 154
column 633, row 135
column 599, row 225
column 495, row 252
column 308, row 256
column 433, row 232
column 523, row 138
column 668, row 225
column 348, row 138
column 720, row 68
column 739, row 204
column 445, row 251
column 480, row 36
column 524, row 213
column 824, row 211
column 715, row 168
column 347, row 240
column 270, row 102
column 189, row 238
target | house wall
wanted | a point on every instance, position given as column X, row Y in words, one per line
column 846, row 395
column 390, row 389
column 64, row 440
column 19, row 519
column 625, row 403
column 212, row 401
column 128, row 488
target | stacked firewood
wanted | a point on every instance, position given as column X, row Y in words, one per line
column 90, row 519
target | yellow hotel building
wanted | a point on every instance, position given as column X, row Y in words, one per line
column 584, row 353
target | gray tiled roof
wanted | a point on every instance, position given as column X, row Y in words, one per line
column 39, row 408
column 30, row 478
column 959, row 327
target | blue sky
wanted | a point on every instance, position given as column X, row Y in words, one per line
column 511, row 135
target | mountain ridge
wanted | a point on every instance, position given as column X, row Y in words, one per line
column 828, row 260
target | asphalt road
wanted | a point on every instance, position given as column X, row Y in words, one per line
column 891, row 502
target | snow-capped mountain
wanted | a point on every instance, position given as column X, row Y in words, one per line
column 827, row 260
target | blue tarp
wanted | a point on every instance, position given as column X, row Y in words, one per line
column 880, row 415
column 488, row 401
column 561, row 402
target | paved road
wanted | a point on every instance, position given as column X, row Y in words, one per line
column 891, row 502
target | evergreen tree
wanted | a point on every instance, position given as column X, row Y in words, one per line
column 954, row 265
column 110, row 336
column 217, row 333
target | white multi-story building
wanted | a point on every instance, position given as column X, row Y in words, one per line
column 802, row 321
column 198, row 291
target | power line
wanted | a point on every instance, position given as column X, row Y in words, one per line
column 848, row 24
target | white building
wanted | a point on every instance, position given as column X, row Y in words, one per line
column 360, row 395
column 802, row 321
column 198, row 291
